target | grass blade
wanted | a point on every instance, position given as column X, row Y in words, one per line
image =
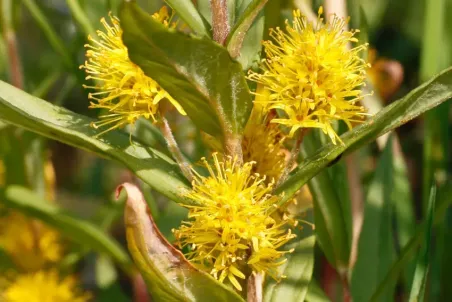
column 422, row 267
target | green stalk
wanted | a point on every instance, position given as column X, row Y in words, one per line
column 80, row 16
column 49, row 32
column 436, row 120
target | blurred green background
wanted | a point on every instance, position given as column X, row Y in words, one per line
column 410, row 41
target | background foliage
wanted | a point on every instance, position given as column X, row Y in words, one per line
column 383, row 185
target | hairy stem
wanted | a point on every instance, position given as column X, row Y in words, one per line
column 174, row 149
column 220, row 22
column 254, row 288
column 233, row 147
column 293, row 156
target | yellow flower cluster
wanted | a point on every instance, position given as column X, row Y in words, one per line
column 232, row 228
column 43, row 286
column 30, row 244
column 34, row 248
column 122, row 87
column 263, row 143
column 312, row 75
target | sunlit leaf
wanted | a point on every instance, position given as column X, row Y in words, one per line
column 187, row 11
column 244, row 41
column 329, row 214
column 376, row 244
column 444, row 201
column 423, row 262
column 198, row 73
column 153, row 167
column 298, row 269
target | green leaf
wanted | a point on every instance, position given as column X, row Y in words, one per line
column 244, row 40
column 3, row 125
column 272, row 13
column 419, row 100
column 436, row 126
column 6, row 263
column 204, row 9
column 197, row 72
column 403, row 205
column 435, row 55
column 147, row 132
column 423, row 262
column 12, row 153
column 444, row 201
column 171, row 218
column 375, row 245
column 105, row 272
column 363, row 35
column 153, row 167
column 354, row 10
column 329, row 214
column 187, row 11
column 339, row 177
column 168, row 275
column 75, row 229
column 112, row 293
column 298, row 269
column 80, row 16
column 316, row 293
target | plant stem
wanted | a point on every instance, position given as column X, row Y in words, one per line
column 233, row 147
column 345, row 289
column 15, row 67
column 337, row 7
column 220, row 22
column 174, row 149
column 254, row 288
column 293, row 156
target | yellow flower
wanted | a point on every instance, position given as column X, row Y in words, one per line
column 30, row 244
column 231, row 231
column 312, row 75
column 122, row 87
column 263, row 143
column 43, row 286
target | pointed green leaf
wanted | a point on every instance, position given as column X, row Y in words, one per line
column 187, row 11
column 244, row 41
column 376, row 245
column 31, row 113
column 298, row 269
column 419, row 100
column 444, row 201
column 316, row 293
column 329, row 214
column 404, row 214
column 197, row 72
column 422, row 267
column 436, row 123
column 78, row 230
column 168, row 275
